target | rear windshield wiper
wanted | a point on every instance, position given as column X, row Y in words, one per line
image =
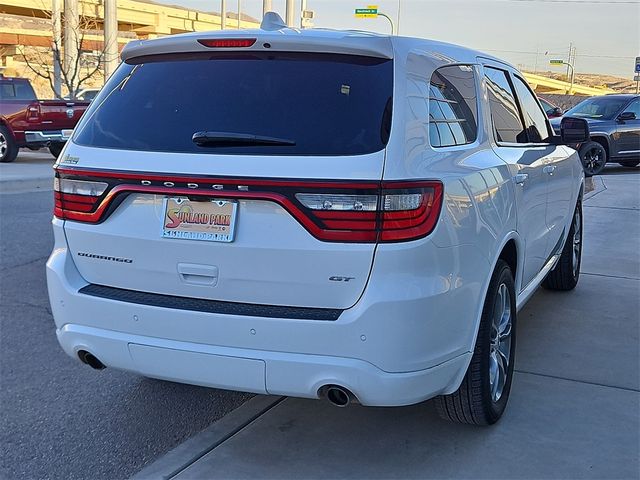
column 205, row 139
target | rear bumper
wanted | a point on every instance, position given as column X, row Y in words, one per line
column 46, row 136
column 258, row 371
column 407, row 339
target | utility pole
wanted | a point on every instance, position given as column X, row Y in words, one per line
column 303, row 7
column 266, row 6
column 398, row 20
column 223, row 14
column 110, row 37
column 569, row 59
column 239, row 12
column 290, row 14
column 71, row 47
column 56, row 10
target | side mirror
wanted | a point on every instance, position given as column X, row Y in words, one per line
column 626, row 116
column 574, row 130
column 558, row 112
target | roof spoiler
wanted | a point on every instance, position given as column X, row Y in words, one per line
column 275, row 34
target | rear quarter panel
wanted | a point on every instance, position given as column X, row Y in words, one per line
column 478, row 213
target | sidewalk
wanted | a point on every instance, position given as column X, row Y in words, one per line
column 32, row 170
column 573, row 411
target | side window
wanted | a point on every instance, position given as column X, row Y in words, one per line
column 505, row 115
column 634, row 107
column 24, row 91
column 7, row 91
column 16, row 91
column 453, row 109
column 534, row 118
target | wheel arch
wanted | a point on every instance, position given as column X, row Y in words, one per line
column 604, row 141
column 511, row 250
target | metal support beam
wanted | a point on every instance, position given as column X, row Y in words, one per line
column 110, row 37
column 71, row 64
column 56, row 45
column 266, row 6
column 290, row 14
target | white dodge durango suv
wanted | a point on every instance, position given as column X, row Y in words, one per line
column 313, row 213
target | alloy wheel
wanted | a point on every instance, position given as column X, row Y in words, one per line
column 577, row 241
column 500, row 351
column 4, row 146
column 593, row 160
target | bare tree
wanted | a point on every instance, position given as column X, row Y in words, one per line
column 75, row 67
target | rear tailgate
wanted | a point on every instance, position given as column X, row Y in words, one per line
column 136, row 150
column 58, row 114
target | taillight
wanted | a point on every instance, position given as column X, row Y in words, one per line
column 33, row 112
column 73, row 199
column 410, row 210
column 331, row 211
column 227, row 42
column 399, row 211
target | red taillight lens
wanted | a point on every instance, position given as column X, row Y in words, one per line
column 400, row 211
column 73, row 199
column 410, row 211
column 227, row 42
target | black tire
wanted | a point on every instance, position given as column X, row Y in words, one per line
column 630, row 163
column 55, row 149
column 593, row 157
column 475, row 402
column 566, row 273
column 8, row 147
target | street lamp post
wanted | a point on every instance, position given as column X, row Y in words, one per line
column 373, row 12
column 569, row 66
column 393, row 27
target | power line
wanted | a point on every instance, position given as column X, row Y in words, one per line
column 570, row 2
column 592, row 2
column 556, row 53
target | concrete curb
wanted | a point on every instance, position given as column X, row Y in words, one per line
column 593, row 186
column 199, row 445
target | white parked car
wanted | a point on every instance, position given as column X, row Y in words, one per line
column 313, row 213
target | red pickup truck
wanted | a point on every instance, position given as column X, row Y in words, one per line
column 28, row 122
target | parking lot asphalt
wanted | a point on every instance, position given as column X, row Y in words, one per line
column 573, row 413
column 58, row 418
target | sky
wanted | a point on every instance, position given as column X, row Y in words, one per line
column 527, row 33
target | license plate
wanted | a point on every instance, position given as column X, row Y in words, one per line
column 212, row 221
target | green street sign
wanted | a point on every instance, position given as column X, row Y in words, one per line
column 370, row 12
column 556, row 62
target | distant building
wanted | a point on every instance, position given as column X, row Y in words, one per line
column 26, row 28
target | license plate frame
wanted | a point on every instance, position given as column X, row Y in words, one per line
column 186, row 219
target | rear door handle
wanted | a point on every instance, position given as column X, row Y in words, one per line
column 520, row 178
column 549, row 169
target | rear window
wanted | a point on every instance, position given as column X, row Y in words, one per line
column 16, row 90
column 322, row 104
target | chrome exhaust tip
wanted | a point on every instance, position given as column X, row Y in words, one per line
column 337, row 395
column 89, row 359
